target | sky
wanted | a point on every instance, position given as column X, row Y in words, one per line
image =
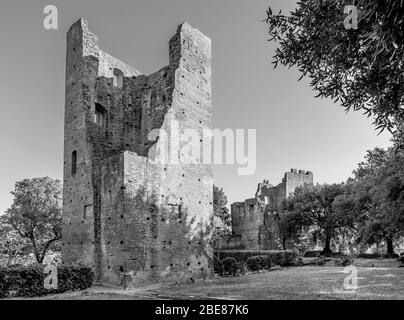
column 294, row 129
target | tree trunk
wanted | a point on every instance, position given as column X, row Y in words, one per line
column 36, row 251
column 327, row 246
column 390, row 247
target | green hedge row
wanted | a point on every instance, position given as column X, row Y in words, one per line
column 21, row 281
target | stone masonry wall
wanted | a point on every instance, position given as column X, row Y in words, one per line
column 247, row 217
column 255, row 221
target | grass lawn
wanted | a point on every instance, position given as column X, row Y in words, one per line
column 383, row 281
column 377, row 279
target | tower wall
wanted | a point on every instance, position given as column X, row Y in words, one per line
column 247, row 217
column 296, row 178
column 125, row 212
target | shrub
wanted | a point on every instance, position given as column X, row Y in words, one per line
column 343, row 261
column 370, row 255
column 257, row 263
column 231, row 266
column 217, row 265
column 241, row 268
column 319, row 261
column 312, row 254
column 278, row 257
column 290, row 258
column 22, row 281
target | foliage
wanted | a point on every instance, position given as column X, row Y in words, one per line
column 300, row 261
column 35, row 217
column 375, row 197
column 257, row 263
column 288, row 228
column 343, row 261
column 20, row 281
column 221, row 217
column 278, row 257
column 313, row 206
column 319, row 261
column 231, row 266
column 362, row 68
column 13, row 248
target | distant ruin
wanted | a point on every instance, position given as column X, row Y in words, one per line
column 255, row 221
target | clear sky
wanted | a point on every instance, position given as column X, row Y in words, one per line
column 294, row 130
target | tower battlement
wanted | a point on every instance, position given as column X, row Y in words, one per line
column 296, row 178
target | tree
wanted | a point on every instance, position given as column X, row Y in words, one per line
column 36, row 214
column 288, row 227
column 377, row 197
column 312, row 206
column 12, row 246
column 221, row 215
column 362, row 68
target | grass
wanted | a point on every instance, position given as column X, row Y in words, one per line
column 377, row 279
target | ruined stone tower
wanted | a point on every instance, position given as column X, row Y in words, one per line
column 124, row 212
column 254, row 221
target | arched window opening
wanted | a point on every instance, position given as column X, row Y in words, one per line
column 100, row 116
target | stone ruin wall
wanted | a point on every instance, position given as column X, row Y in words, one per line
column 255, row 222
column 123, row 212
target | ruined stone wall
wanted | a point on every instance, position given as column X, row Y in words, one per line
column 78, row 244
column 141, row 217
column 247, row 217
column 296, row 178
column 255, row 221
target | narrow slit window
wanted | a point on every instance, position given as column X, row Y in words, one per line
column 74, row 163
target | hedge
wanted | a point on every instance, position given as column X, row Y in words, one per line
column 313, row 254
column 278, row 257
column 28, row 281
column 230, row 266
column 257, row 263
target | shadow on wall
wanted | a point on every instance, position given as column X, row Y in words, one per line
column 165, row 243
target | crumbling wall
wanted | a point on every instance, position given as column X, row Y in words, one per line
column 247, row 217
column 296, row 178
column 255, row 221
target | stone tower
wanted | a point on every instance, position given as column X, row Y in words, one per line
column 125, row 212
column 255, row 220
